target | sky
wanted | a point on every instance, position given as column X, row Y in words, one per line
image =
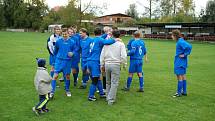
column 120, row 6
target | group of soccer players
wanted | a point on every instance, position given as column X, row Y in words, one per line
column 68, row 48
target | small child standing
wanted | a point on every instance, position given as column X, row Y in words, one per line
column 42, row 82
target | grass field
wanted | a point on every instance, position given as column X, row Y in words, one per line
column 17, row 93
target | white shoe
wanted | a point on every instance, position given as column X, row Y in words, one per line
column 68, row 94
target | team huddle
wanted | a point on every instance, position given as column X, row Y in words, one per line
column 102, row 57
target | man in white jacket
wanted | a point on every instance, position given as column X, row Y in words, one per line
column 112, row 56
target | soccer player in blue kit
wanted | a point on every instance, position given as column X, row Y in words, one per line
column 51, row 45
column 64, row 51
column 94, row 63
column 137, row 51
column 76, row 58
column 85, row 47
column 183, row 49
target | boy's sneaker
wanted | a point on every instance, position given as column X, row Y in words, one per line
column 176, row 95
column 51, row 95
column 45, row 110
column 68, row 94
column 140, row 90
column 36, row 111
column 82, row 87
column 125, row 89
column 92, row 98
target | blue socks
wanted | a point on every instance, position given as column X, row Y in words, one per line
column 100, row 88
column 180, row 86
column 129, row 80
column 92, row 90
column 85, row 79
column 184, row 87
column 67, row 85
column 141, row 81
column 53, row 84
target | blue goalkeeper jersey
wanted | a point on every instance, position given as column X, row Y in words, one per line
column 138, row 50
column 182, row 47
column 96, row 47
column 85, row 47
column 62, row 47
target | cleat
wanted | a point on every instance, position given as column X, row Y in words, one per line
column 184, row 94
column 45, row 110
column 92, row 98
column 51, row 95
column 140, row 90
column 103, row 96
column 125, row 89
column 176, row 95
column 68, row 94
column 82, row 87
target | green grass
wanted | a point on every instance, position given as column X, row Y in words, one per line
column 17, row 93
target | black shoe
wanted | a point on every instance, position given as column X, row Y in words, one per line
column 92, row 98
column 140, row 90
column 125, row 89
column 82, row 87
column 184, row 94
column 75, row 84
column 176, row 95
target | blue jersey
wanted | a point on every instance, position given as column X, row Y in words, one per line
column 96, row 47
column 77, row 48
column 104, row 36
column 85, row 47
column 62, row 47
column 138, row 50
column 129, row 44
column 182, row 47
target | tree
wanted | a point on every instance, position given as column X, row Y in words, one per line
column 209, row 15
column 150, row 8
column 166, row 7
column 132, row 11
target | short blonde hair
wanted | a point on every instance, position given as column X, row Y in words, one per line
column 176, row 33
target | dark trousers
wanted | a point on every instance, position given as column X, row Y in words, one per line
column 44, row 99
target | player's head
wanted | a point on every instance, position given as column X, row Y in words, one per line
column 83, row 32
column 97, row 31
column 176, row 34
column 74, row 27
column 136, row 34
column 57, row 30
column 116, row 34
column 65, row 33
column 107, row 29
column 71, row 31
column 41, row 62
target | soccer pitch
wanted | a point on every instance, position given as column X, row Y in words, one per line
column 17, row 93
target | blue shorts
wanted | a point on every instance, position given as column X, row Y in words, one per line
column 136, row 66
column 83, row 65
column 51, row 60
column 62, row 65
column 74, row 65
column 94, row 67
column 180, row 70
